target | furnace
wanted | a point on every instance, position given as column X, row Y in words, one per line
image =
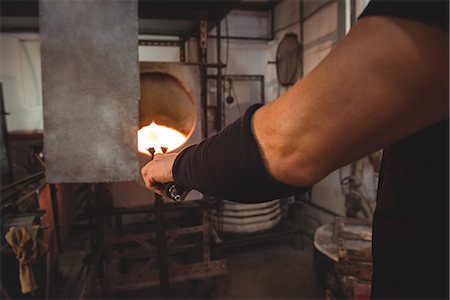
column 167, row 105
column 169, row 117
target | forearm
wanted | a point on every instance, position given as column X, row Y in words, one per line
column 372, row 90
column 229, row 165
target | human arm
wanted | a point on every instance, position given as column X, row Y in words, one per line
column 387, row 79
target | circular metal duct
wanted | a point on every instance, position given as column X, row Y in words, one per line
column 165, row 101
column 287, row 59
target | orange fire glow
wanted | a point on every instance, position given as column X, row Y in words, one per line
column 158, row 136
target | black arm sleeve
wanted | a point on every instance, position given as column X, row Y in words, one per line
column 229, row 165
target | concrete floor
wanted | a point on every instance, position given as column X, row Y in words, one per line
column 265, row 271
column 273, row 272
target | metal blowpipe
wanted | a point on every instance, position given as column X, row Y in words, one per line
column 171, row 189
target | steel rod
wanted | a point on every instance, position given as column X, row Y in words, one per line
column 242, row 38
column 150, row 209
column 207, row 65
column 246, row 77
column 22, row 181
column 163, row 263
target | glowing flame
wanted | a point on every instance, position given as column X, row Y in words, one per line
column 158, row 136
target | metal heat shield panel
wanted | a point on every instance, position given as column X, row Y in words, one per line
column 90, row 75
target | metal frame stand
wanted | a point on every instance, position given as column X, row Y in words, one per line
column 156, row 250
column 163, row 264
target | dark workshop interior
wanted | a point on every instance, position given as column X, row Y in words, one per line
column 88, row 88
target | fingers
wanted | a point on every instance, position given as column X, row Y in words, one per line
column 158, row 171
column 150, row 183
column 144, row 172
column 146, row 176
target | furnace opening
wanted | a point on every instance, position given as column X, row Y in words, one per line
column 167, row 114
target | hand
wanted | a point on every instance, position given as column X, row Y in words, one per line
column 157, row 171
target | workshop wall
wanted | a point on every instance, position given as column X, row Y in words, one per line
column 20, row 74
column 286, row 20
column 243, row 57
column 154, row 53
column 320, row 34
